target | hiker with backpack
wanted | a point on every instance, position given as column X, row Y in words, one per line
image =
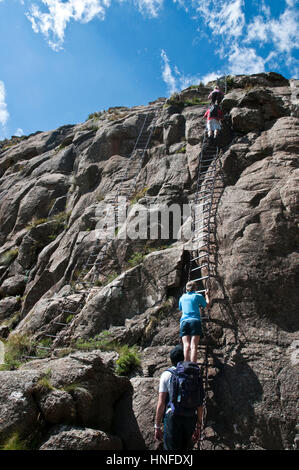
column 190, row 321
column 180, row 401
column 216, row 96
column 213, row 116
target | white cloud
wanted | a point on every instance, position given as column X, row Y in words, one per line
column 167, row 74
column 283, row 32
column 243, row 60
column 4, row 114
column 149, row 7
column 19, row 132
column 53, row 23
column 291, row 3
column 224, row 17
column 176, row 81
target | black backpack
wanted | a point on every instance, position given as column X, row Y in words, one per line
column 217, row 96
column 214, row 110
column 186, row 389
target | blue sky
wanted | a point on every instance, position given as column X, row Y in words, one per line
column 61, row 60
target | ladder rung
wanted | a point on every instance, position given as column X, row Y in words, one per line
column 205, row 318
column 200, row 228
column 199, row 238
column 69, row 311
column 199, row 267
column 200, row 278
column 199, row 291
column 206, row 165
column 42, row 347
column 59, row 323
column 198, row 257
column 31, row 357
column 202, row 204
column 206, row 176
column 204, row 191
column 201, row 246
column 201, row 256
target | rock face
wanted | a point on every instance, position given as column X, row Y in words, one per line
column 61, row 281
column 70, row 399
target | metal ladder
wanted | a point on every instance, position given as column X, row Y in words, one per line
column 94, row 262
column 203, row 212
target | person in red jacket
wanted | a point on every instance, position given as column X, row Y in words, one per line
column 213, row 116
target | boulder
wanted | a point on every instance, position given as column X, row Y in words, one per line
column 13, row 286
column 246, row 119
column 77, row 390
column 145, row 398
column 8, row 306
column 76, row 438
column 174, row 129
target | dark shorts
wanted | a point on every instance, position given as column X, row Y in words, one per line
column 178, row 432
column 191, row 327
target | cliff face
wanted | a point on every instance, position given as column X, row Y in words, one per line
column 60, row 283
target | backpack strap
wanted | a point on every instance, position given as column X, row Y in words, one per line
column 169, row 403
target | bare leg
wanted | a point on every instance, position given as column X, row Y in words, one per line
column 187, row 349
column 194, row 344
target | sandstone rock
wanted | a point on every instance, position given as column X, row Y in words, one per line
column 246, row 119
column 174, row 129
column 145, row 398
column 8, row 306
column 76, row 438
column 13, row 286
column 18, row 410
column 79, row 389
column 58, row 406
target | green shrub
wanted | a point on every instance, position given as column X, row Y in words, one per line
column 35, row 222
column 195, row 101
column 70, row 387
column 94, row 343
column 16, row 347
column 52, row 237
column 12, row 321
column 45, row 342
column 14, row 442
column 8, row 257
column 69, row 318
column 94, row 115
column 113, row 275
column 230, row 83
column 136, row 259
column 138, row 195
column 129, row 359
column 110, row 277
column 44, row 383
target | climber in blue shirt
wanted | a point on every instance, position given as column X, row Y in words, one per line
column 190, row 322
